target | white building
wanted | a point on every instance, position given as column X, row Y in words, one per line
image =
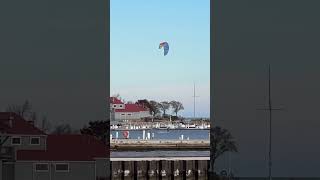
column 122, row 111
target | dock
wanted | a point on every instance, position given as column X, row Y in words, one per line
column 151, row 144
column 160, row 168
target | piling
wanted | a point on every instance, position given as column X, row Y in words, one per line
column 135, row 171
column 184, row 170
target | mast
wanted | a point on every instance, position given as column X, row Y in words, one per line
column 270, row 108
column 194, row 100
column 270, row 125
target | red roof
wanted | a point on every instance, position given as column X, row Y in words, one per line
column 75, row 147
column 11, row 123
column 114, row 100
column 132, row 108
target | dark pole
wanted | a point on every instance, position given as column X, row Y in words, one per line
column 270, row 127
column 172, row 170
column 123, row 169
column 147, row 171
column 111, row 171
column 196, row 168
column 160, row 169
column 184, row 170
column 270, row 108
column 135, row 170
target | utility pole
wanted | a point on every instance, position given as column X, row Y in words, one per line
column 270, row 108
column 194, row 100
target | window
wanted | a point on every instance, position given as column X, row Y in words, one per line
column 62, row 167
column 35, row 140
column 122, row 114
column 129, row 114
column 16, row 140
column 41, row 167
column 114, row 105
column 121, row 106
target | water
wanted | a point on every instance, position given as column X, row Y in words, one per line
column 132, row 154
column 165, row 134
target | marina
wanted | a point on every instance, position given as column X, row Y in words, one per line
column 158, row 125
column 161, row 134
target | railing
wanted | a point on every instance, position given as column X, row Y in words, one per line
column 160, row 170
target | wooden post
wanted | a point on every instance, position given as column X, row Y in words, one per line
column 135, row 170
column 172, row 170
column 111, row 171
column 123, row 169
column 209, row 174
column 184, row 170
column 147, row 170
column 196, row 168
column 160, row 168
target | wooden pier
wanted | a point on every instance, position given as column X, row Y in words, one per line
column 134, row 144
column 160, row 168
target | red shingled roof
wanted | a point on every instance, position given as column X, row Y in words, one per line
column 114, row 100
column 18, row 125
column 132, row 108
column 67, row 148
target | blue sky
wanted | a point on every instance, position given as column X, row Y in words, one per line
column 138, row 68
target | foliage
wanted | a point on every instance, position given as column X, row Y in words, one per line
column 62, row 129
column 221, row 141
column 176, row 106
column 164, row 106
column 99, row 129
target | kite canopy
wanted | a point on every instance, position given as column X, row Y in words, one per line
column 165, row 46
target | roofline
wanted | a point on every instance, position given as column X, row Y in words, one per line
column 203, row 158
column 51, row 161
column 23, row 134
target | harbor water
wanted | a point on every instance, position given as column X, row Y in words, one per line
column 163, row 134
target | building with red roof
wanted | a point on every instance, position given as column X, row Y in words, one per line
column 126, row 111
column 28, row 153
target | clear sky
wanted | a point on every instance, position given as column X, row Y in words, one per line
column 139, row 69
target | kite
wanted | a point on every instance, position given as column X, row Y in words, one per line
column 165, row 46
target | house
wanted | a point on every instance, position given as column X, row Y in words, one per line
column 30, row 154
column 126, row 111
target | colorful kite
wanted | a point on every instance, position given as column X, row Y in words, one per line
column 165, row 46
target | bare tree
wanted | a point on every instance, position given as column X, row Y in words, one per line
column 62, row 129
column 221, row 141
column 45, row 125
column 176, row 106
column 24, row 110
column 164, row 105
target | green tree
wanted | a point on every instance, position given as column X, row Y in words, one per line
column 155, row 108
column 99, row 129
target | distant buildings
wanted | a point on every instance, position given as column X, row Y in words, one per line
column 123, row 112
column 28, row 153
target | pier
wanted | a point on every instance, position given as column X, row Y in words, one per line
column 151, row 144
column 160, row 168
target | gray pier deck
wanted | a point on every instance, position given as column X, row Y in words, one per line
column 134, row 144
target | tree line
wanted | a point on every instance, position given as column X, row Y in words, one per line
column 155, row 107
